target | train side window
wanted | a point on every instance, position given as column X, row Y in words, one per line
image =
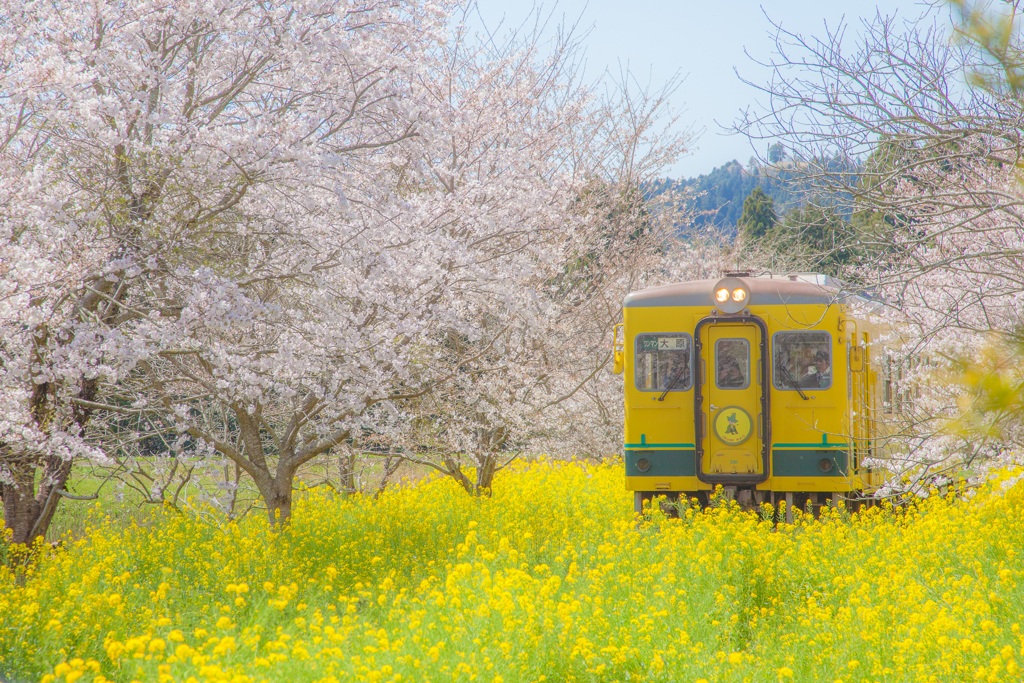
column 663, row 359
column 801, row 359
column 732, row 364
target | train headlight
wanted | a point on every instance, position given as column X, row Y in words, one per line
column 643, row 464
column 825, row 464
column 731, row 295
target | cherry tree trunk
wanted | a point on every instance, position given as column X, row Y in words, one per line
column 278, row 497
column 485, row 473
column 28, row 512
column 485, row 469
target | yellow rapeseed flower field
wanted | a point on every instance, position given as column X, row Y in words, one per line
column 552, row 579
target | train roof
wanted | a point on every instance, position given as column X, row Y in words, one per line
column 793, row 290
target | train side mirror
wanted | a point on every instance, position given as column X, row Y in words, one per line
column 618, row 350
column 856, row 359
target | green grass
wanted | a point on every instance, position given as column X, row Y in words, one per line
column 120, row 498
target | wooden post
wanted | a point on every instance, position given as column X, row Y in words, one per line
column 789, row 508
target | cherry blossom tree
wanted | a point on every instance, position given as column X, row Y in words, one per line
column 936, row 199
column 175, row 178
column 261, row 233
column 542, row 337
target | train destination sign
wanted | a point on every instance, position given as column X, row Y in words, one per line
column 665, row 344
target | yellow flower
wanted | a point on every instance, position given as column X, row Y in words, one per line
column 554, row 550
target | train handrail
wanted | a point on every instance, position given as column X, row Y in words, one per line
column 618, row 349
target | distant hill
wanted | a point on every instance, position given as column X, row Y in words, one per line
column 721, row 192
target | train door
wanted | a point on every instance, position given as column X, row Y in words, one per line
column 731, row 407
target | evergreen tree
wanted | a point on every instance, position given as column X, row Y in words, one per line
column 758, row 216
column 821, row 233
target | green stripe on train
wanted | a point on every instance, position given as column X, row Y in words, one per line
column 663, row 463
column 809, row 463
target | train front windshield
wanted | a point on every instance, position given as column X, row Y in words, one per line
column 660, row 358
column 802, row 360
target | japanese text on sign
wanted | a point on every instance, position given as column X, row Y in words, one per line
column 665, row 344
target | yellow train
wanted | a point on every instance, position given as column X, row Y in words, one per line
column 762, row 385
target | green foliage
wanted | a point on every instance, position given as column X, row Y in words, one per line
column 996, row 35
column 626, row 220
column 719, row 195
column 875, row 232
column 758, row 215
column 992, row 380
column 821, row 232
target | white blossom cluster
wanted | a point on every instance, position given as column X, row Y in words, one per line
column 263, row 231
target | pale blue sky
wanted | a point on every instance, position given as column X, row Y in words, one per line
column 702, row 40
